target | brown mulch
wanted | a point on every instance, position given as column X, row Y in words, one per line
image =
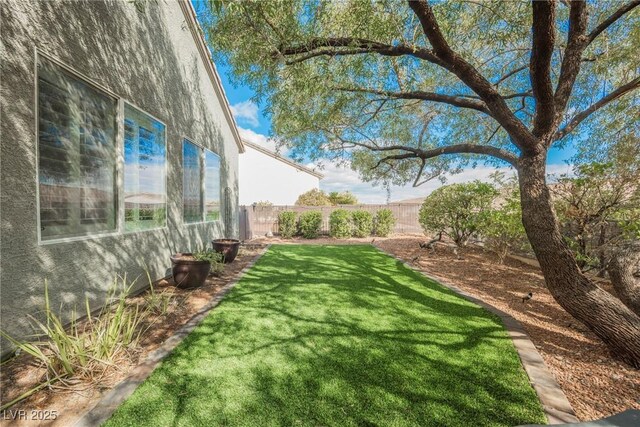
column 596, row 384
column 69, row 402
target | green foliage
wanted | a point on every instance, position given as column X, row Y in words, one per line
column 216, row 259
column 312, row 330
column 345, row 198
column 362, row 223
column 455, row 210
column 310, row 223
column 598, row 206
column 501, row 227
column 314, row 197
column 340, row 224
column 322, row 102
column 287, row 224
column 87, row 348
column 263, row 203
column 384, row 222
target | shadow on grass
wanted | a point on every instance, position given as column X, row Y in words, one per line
column 338, row 335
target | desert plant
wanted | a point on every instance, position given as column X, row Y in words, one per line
column 216, row 260
column 340, row 224
column 287, row 224
column 344, row 198
column 310, row 223
column 383, row 222
column 157, row 302
column 362, row 223
column 313, row 197
column 85, row 349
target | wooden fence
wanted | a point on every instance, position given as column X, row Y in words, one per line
column 257, row 221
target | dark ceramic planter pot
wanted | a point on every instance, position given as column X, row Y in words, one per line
column 189, row 273
column 227, row 247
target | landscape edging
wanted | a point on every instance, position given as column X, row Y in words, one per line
column 108, row 403
column 554, row 402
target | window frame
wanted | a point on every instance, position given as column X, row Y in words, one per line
column 204, row 179
column 121, row 201
column 203, row 189
column 73, row 73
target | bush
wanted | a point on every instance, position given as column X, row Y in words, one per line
column 362, row 223
column 314, row 197
column 287, row 224
column 340, row 224
column 216, row 259
column 310, row 223
column 384, row 222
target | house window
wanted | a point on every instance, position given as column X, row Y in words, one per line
column 191, row 182
column 76, row 155
column 212, row 186
column 145, row 196
column 201, row 184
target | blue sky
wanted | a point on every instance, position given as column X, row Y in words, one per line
column 255, row 126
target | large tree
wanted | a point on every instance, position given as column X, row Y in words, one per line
column 405, row 91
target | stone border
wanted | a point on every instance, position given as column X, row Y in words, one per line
column 108, row 403
column 554, row 403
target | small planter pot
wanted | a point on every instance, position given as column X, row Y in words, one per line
column 189, row 272
column 227, row 247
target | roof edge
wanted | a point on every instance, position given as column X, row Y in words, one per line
column 198, row 36
column 283, row 159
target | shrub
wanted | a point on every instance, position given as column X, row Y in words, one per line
column 313, row 197
column 345, row 198
column 310, row 223
column 384, row 222
column 362, row 223
column 340, row 224
column 287, row 224
column 455, row 210
column 216, row 260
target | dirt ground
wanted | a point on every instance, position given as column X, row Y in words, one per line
column 64, row 404
column 596, row 384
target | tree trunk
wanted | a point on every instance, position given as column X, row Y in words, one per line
column 605, row 315
column 624, row 271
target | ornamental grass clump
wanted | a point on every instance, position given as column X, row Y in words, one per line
column 86, row 348
column 340, row 224
column 362, row 223
column 287, row 224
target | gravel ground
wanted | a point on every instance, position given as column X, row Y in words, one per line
column 596, row 384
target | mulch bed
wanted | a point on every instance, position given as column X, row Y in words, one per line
column 69, row 402
column 596, row 384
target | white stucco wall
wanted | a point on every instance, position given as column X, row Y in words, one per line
column 264, row 178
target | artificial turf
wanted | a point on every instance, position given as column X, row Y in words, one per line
column 338, row 336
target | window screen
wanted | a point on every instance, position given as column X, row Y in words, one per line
column 145, row 197
column 191, row 182
column 212, row 186
column 76, row 155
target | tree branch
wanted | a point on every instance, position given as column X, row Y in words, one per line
column 612, row 19
column 576, row 43
column 413, row 152
column 471, row 77
column 336, row 46
column 578, row 118
column 456, row 101
column 544, row 35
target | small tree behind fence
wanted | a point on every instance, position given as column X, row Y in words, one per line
column 258, row 221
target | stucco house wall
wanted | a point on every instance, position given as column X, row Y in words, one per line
column 265, row 176
column 154, row 59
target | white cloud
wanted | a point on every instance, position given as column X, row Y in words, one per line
column 340, row 178
column 246, row 112
column 261, row 140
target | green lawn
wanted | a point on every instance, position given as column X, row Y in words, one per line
column 338, row 336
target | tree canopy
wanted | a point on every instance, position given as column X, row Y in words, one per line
column 360, row 80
